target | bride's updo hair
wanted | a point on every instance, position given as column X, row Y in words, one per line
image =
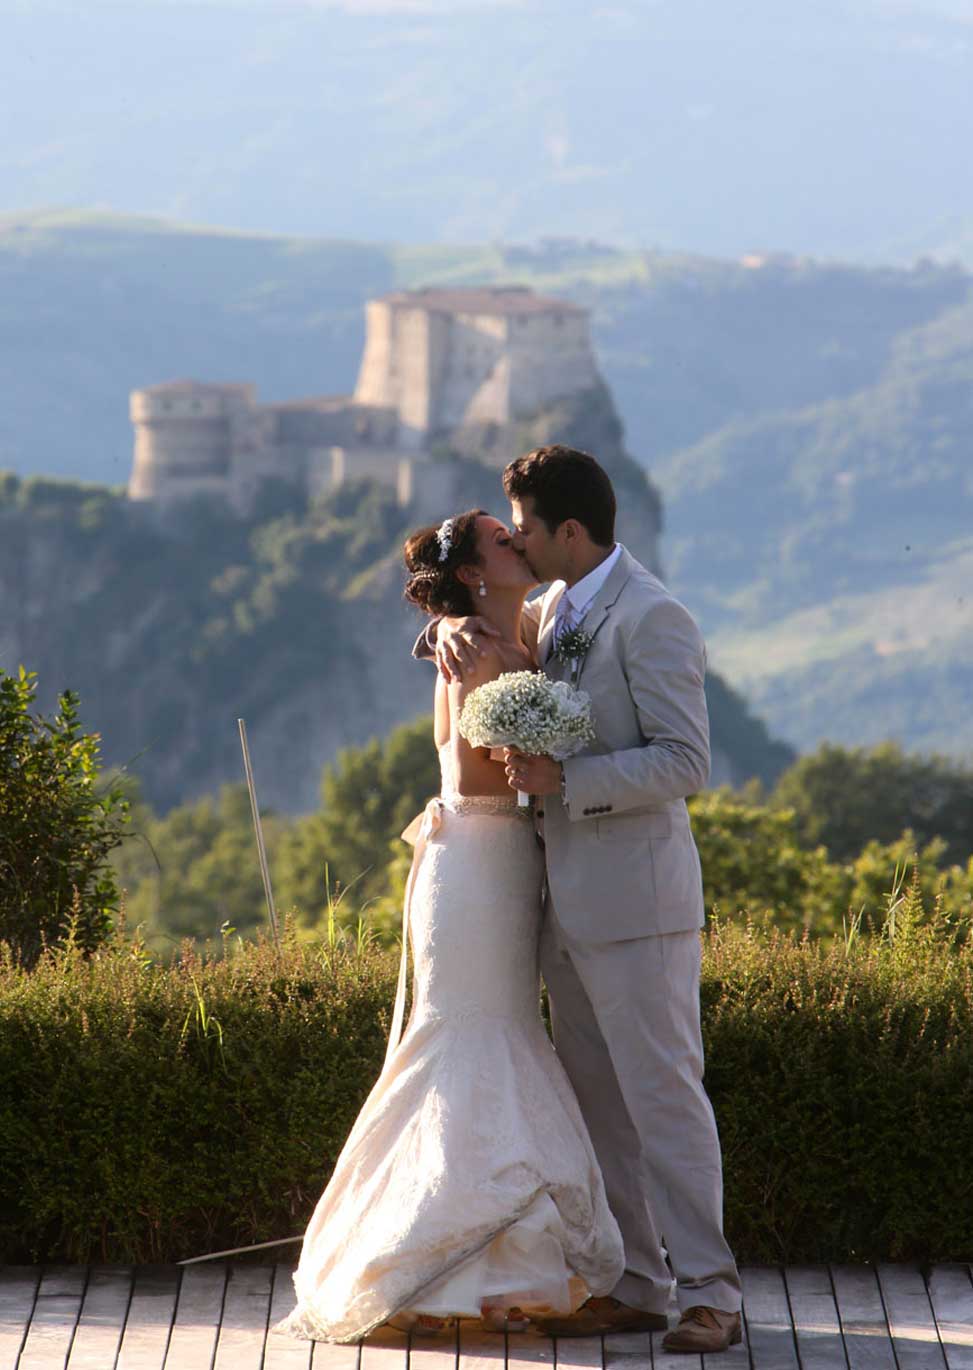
column 432, row 583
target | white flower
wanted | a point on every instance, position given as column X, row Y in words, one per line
column 526, row 710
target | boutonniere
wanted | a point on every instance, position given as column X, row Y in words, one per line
column 572, row 649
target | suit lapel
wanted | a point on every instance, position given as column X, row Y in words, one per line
column 545, row 635
column 601, row 606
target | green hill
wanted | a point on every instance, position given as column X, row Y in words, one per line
column 830, row 551
column 807, row 421
column 293, row 620
column 93, row 306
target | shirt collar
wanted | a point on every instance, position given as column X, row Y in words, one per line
column 579, row 596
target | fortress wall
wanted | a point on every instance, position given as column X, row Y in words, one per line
column 431, row 490
column 375, row 381
column 397, row 365
column 184, row 438
column 472, row 372
column 419, row 354
column 550, row 356
column 179, row 450
column 329, row 467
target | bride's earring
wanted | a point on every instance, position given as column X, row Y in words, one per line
column 482, row 590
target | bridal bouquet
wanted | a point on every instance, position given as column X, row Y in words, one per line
column 526, row 710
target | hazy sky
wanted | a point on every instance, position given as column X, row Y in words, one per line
column 837, row 128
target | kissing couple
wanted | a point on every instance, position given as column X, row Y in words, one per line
column 491, row 1174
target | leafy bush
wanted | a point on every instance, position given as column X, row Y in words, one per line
column 842, row 1078
column 56, row 829
column 844, row 797
column 196, row 869
column 752, row 860
column 368, row 796
column 755, row 863
column 152, row 1112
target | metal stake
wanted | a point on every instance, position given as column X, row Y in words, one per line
column 261, row 851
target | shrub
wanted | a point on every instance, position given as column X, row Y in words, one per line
column 842, row 1078
column 755, row 864
column 152, row 1112
column 845, row 797
column 56, row 829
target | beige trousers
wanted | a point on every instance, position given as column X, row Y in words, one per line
column 626, row 1027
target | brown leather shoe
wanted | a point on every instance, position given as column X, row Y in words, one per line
column 600, row 1315
column 704, row 1329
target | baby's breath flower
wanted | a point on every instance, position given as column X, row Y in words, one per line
column 526, row 710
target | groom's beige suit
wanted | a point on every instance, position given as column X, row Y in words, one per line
column 620, row 950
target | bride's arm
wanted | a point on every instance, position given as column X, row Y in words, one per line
column 474, row 772
column 457, row 643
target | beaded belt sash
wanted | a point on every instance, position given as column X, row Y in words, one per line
column 486, row 804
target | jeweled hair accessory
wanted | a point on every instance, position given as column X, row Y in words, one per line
column 444, row 537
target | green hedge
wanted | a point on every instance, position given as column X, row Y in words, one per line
column 152, row 1112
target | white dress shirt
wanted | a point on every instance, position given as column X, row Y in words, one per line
column 577, row 600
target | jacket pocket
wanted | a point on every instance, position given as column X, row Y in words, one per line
column 634, row 827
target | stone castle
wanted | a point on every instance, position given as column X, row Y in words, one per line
column 434, row 360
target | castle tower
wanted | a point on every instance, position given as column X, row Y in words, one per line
column 186, row 435
column 442, row 358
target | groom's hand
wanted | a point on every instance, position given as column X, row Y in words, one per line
column 457, row 646
column 532, row 774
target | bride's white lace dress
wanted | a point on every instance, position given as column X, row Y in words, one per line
column 468, row 1177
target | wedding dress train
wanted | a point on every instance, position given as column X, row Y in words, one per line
column 468, row 1178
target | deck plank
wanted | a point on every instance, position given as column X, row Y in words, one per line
column 384, row 1349
column 915, row 1337
column 769, row 1330
column 437, row 1352
column 951, row 1295
column 580, row 1353
column 331, row 1356
column 243, row 1325
column 197, row 1321
column 868, row 1340
column 627, row 1351
column 102, row 1318
column 150, row 1314
column 526, row 1351
column 817, row 1327
column 55, row 1318
column 207, row 1317
column 480, row 1350
column 284, row 1352
column 18, row 1287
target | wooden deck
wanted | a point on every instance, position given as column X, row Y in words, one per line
column 216, row 1317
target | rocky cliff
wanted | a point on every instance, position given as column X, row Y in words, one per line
column 293, row 619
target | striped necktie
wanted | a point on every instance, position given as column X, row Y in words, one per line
column 564, row 619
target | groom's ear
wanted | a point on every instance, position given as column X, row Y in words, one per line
column 570, row 530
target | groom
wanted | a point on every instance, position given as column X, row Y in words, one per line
column 620, row 949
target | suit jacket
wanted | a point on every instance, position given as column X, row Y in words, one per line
column 621, row 860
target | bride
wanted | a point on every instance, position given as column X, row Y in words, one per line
column 468, row 1186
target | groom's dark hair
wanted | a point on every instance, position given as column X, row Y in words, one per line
column 565, row 484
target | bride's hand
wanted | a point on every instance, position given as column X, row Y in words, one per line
column 457, row 645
